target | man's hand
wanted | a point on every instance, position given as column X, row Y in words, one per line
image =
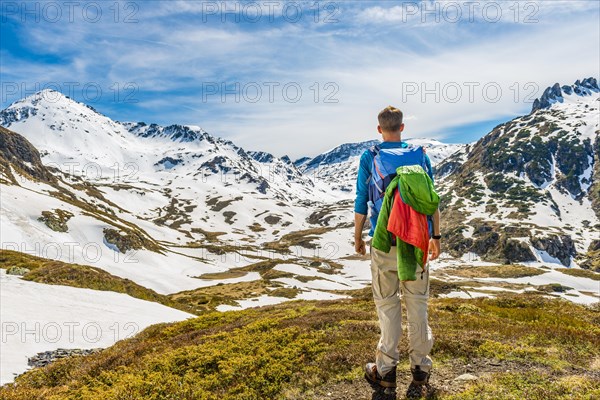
column 434, row 248
column 359, row 224
column 359, row 246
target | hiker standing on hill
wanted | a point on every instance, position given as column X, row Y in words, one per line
column 395, row 182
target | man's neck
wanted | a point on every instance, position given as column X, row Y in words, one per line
column 392, row 138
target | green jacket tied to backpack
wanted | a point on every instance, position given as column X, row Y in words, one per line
column 404, row 212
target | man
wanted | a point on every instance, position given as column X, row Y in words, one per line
column 385, row 282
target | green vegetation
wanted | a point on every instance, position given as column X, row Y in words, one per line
column 554, row 288
column 177, row 213
column 532, row 385
column 584, row 273
column 209, row 236
column 301, row 238
column 469, row 187
column 206, row 299
column 256, row 227
column 298, row 349
column 229, row 274
column 126, row 239
column 57, row 220
column 495, row 271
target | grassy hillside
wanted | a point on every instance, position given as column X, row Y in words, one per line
column 53, row 272
column 520, row 347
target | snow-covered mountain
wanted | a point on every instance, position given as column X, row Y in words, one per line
column 186, row 183
column 154, row 186
column 207, row 224
column 79, row 140
column 339, row 164
column 530, row 189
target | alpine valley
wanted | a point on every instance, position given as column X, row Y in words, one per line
column 130, row 224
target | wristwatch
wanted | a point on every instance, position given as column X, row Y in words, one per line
column 437, row 237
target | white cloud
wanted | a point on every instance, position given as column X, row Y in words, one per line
column 173, row 54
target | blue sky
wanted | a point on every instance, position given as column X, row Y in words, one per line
column 296, row 81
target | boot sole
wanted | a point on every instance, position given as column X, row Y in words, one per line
column 376, row 386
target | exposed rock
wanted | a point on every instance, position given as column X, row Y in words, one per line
column 339, row 154
column 264, row 185
column 272, row 219
column 550, row 95
column 229, row 217
column 594, row 190
column 261, row 156
column 517, row 251
column 14, row 270
column 176, row 133
column 301, row 161
column 169, row 162
column 555, row 92
column 466, row 377
column 446, row 168
column 592, row 257
column 57, row 220
column 46, row 357
column 554, row 287
column 216, row 164
column 18, row 152
column 125, row 241
column 560, row 247
column 485, row 243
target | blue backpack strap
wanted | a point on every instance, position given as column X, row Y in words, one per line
column 374, row 150
column 426, row 165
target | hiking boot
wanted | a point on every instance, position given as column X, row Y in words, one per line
column 419, row 387
column 420, row 377
column 384, row 386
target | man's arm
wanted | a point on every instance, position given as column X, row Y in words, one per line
column 436, row 222
column 360, row 204
column 359, row 224
column 434, row 244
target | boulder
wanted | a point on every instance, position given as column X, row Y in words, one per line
column 14, row 270
column 560, row 247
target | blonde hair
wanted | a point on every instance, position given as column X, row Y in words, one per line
column 390, row 119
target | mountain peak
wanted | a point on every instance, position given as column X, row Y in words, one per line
column 556, row 93
column 46, row 99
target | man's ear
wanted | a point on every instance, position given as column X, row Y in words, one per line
column 379, row 129
column 401, row 127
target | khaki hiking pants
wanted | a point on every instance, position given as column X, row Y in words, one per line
column 386, row 293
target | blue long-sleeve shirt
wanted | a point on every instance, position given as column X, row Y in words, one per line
column 364, row 173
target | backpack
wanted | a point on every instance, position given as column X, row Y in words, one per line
column 383, row 170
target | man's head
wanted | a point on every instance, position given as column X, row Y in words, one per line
column 390, row 122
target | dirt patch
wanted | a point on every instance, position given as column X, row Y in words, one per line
column 216, row 204
column 301, row 238
column 494, row 271
column 231, row 274
column 210, row 236
column 176, row 213
column 256, row 227
column 229, row 217
column 272, row 219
